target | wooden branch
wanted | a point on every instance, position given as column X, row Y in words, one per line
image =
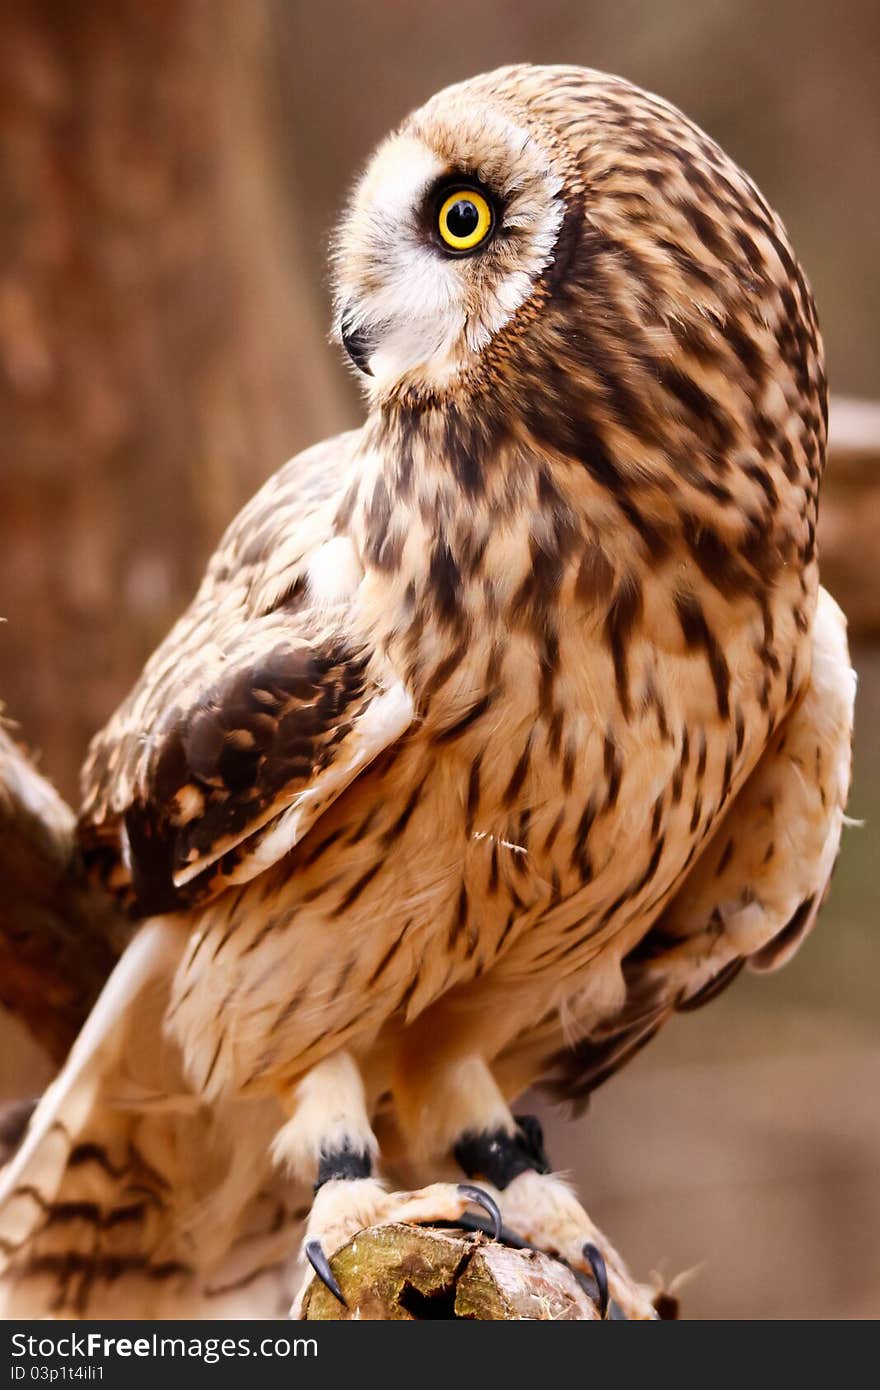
column 404, row 1273
column 59, row 938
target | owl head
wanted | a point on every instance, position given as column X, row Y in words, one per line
column 579, row 259
column 449, row 231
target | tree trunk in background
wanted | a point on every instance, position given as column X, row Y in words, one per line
column 159, row 351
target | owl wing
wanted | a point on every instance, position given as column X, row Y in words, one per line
column 263, row 703
column 756, row 890
column 127, row 1197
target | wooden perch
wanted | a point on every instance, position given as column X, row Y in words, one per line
column 409, row 1273
column 402, row 1273
column 59, row 938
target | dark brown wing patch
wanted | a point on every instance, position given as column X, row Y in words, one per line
column 224, row 766
column 246, row 722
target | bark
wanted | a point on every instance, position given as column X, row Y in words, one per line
column 406, row 1273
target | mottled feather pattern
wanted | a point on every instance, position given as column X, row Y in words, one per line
column 507, row 725
column 756, row 890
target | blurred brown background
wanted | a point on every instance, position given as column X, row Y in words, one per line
column 169, row 174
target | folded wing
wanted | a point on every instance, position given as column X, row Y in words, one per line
column 262, row 705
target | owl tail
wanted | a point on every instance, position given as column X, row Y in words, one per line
column 128, row 1198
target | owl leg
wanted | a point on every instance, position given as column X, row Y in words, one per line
column 449, row 1104
column 328, row 1140
column 543, row 1210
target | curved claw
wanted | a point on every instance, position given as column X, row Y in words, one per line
column 314, row 1253
column 596, row 1260
column 489, row 1205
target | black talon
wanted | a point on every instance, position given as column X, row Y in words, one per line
column 321, row 1265
column 596, row 1260
column 489, row 1205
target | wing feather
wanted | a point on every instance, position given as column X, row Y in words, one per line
column 262, row 705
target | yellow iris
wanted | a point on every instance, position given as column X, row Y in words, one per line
column 464, row 220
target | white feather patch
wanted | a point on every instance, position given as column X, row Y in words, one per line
column 334, row 571
column 426, row 313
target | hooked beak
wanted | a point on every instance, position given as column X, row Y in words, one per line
column 358, row 342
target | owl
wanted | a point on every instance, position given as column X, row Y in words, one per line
column 500, row 729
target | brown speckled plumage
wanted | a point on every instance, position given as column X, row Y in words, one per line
column 509, row 724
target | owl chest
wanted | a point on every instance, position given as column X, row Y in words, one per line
column 550, row 794
column 580, row 777
column 575, row 819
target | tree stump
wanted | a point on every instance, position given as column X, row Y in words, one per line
column 404, row 1273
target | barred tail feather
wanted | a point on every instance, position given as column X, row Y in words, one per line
column 127, row 1197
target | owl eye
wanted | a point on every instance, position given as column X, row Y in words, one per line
column 464, row 220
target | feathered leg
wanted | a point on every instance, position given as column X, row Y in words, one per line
column 329, row 1139
column 458, row 1108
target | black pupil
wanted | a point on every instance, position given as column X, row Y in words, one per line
column 462, row 218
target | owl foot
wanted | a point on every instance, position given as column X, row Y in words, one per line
column 543, row 1209
column 343, row 1206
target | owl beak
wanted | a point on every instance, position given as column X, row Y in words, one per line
column 357, row 341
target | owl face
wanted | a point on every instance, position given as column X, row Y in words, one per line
column 447, row 234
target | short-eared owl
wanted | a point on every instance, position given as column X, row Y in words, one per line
column 498, row 730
